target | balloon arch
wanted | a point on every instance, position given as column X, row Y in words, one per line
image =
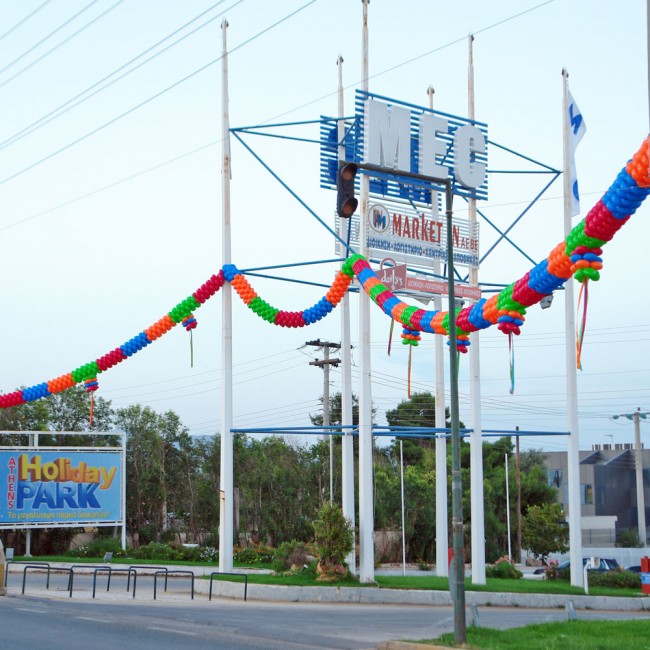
column 579, row 256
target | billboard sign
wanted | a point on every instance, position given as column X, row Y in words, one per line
column 47, row 487
column 398, row 138
column 396, row 278
column 413, row 234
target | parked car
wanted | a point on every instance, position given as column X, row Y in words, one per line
column 606, row 564
column 634, row 569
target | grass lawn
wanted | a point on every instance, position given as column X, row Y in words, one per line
column 387, row 582
column 578, row 635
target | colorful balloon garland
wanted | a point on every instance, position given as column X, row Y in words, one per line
column 579, row 255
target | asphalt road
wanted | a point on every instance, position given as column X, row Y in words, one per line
column 28, row 622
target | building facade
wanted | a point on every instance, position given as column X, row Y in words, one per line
column 608, row 495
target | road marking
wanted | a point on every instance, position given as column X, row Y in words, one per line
column 94, row 620
column 166, row 629
column 30, row 609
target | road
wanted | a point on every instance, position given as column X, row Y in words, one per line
column 29, row 622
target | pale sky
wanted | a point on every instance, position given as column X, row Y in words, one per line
column 111, row 213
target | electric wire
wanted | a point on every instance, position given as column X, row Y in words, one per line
column 86, row 94
column 152, row 98
column 46, row 38
column 24, row 20
column 60, row 44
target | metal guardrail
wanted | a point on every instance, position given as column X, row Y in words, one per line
column 49, row 570
column 45, row 564
column 238, row 575
column 111, row 570
column 167, row 573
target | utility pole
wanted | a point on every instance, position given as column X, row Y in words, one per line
column 325, row 364
column 636, row 417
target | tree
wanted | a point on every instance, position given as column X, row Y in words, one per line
column 419, row 410
column 544, row 530
column 334, row 539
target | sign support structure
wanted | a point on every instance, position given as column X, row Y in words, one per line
column 476, row 438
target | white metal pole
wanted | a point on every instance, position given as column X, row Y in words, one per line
column 508, row 510
column 123, row 488
column 476, row 437
column 366, row 506
column 347, row 460
column 573, row 453
column 401, row 475
column 640, row 497
column 442, row 515
column 226, row 509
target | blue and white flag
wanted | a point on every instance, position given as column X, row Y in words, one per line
column 577, row 128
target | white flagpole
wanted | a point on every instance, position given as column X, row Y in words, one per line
column 573, row 452
column 476, row 437
column 442, row 515
column 347, row 459
column 226, row 509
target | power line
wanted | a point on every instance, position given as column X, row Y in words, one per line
column 152, row 98
column 71, row 103
column 24, row 20
column 52, row 33
column 60, row 44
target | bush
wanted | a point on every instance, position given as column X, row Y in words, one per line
column 504, row 570
column 627, row 538
column 616, row 579
column 334, row 536
column 258, row 554
column 290, row 554
column 98, row 547
column 551, row 571
column 147, row 533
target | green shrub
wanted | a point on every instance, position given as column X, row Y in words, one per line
column 147, row 533
column 258, row 554
column 333, row 535
column 168, row 536
column 504, row 570
column 627, row 538
column 617, row 579
column 98, row 547
column 289, row 554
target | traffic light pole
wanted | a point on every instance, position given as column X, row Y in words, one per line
column 457, row 574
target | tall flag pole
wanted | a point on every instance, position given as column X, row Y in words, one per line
column 573, row 453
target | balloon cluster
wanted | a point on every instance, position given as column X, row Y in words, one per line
column 579, row 255
column 189, row 323
column 410, row 337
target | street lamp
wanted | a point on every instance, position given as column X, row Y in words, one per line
column 636, row 417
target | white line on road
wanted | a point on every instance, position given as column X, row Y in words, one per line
column 31, row 609
column 166, row 629
column 94, row 620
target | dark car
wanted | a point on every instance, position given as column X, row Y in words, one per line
column 634, row 569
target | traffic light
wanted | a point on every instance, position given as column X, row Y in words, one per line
column 346, row 202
